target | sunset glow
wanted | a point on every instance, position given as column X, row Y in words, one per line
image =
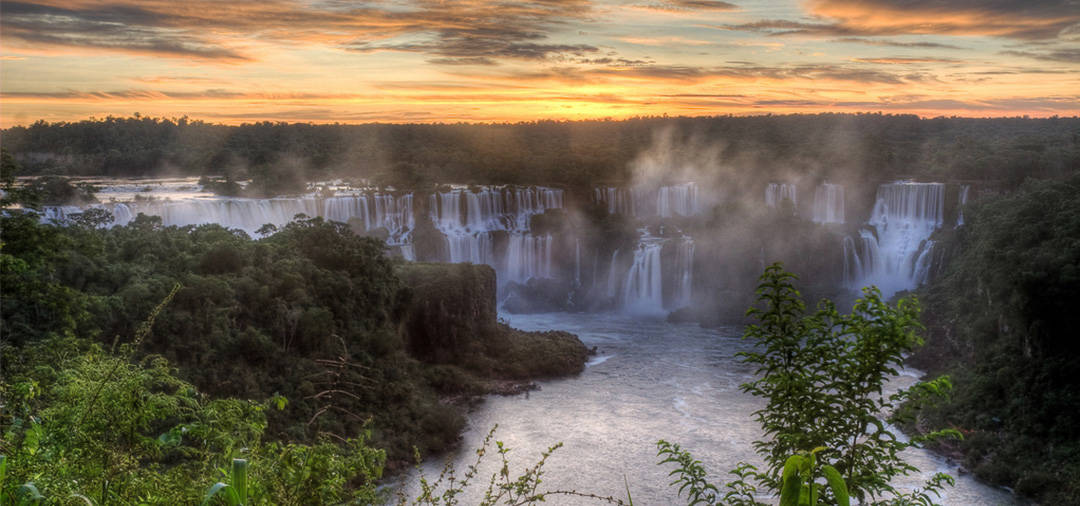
column 480, row 60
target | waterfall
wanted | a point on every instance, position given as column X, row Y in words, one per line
column 895, row 255
column 528, row 256
column 829, row 204
column 960, row 207
column 612, row 280
column 775, row 193
column 681, row 200
column 684, row 274
column 468, row 218
column 577, row 262
column 643, row 287
column 643, row 202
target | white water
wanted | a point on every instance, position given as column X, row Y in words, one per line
column 964, row 189
column 775, row 193
column 828, row 204
column 641, row 202
column 643, row 288
column 468, row 218
column 894, row 255
column 652, row 380
column 684, row 274
column 373, row 210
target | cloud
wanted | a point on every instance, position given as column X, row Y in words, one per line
column 688, row 74
column 893, row 43
column 1016, row 19
column 459, row 31
column 142, row 94
column 1067, row 55
column 690, row 5
column 899, row 60
column 122, row 28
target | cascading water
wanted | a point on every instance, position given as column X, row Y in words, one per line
column 895, row 255
column 775, row 193
column 612, row 279
column 468, row 218
column 678, row 200
column 643, row 288
column 964, row 189
column 829, row 204
column 528, row 256
column 682, row 295
column 577, row 262
column 643, row 202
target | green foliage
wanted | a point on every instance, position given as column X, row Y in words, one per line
column 1002, row 321
column 502, row 488
column 279, row 157
column 690, row 474
column 824, row 377
column 800, row 487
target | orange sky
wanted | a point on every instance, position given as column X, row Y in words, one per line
column 483, row 60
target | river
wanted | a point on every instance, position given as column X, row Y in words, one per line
column 650, row 380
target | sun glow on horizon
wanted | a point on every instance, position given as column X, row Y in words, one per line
column 484, row 60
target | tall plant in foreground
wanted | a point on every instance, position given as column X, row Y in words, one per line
column 824, row 377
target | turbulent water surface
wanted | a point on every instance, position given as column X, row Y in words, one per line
column 650, row 380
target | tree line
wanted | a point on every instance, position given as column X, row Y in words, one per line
column 280, row 157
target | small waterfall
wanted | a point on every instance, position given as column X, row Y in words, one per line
column 682, row 295
column 577, row 262
column 678, row 200
column 643, row 287
column 617, row 201
column 468, row 218
column 775, row 193
column 964, row 189
column 895, row 255
column 612, row 280
column 528, row 256
column 829, row 204
column 643, row 202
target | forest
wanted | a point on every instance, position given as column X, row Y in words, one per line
column 1000, row 320
column 282, row 157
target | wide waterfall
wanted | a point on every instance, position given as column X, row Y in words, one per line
column 644, row 202
column 678, row 200
column 828, row 204
column 775, row 193
column 374, row 211
column 642, row 291
column 895, row 255
column 468, row 218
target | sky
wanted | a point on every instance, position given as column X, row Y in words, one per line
column 491, row 60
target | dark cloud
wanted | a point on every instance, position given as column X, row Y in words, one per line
column 691, row 5
column 141, row 94
column 905, row 60
column 695, row 74
column 893, row 43
column 1067, row 55
column 124, row 28
column 1016, row 19
column 474, row 32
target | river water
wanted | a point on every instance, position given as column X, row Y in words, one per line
column 650, row 380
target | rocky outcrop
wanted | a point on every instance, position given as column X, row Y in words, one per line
column 452, row 320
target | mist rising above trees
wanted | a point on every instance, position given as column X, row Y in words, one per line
column 279, row 157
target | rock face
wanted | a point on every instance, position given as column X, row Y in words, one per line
column 452, row 319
